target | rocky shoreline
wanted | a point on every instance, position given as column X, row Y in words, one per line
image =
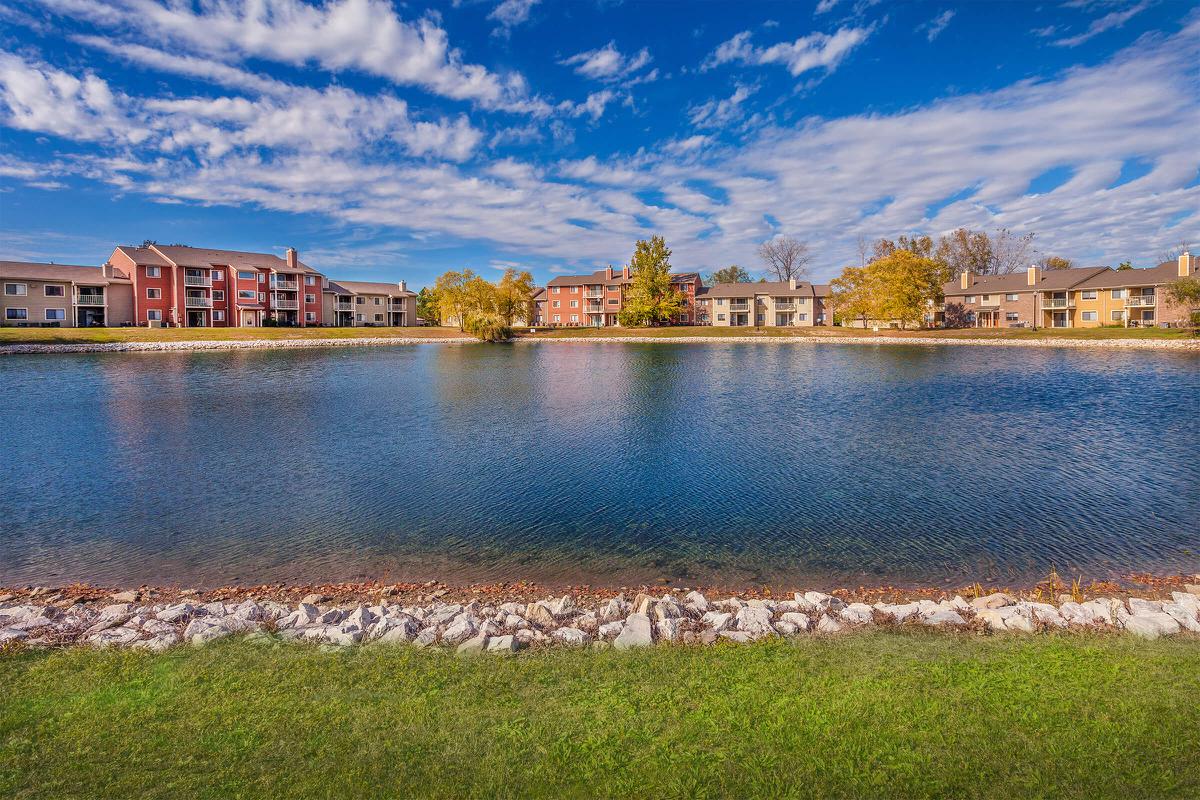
column 506, row 619
column 1189, row 345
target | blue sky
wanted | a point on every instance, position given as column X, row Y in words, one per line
column 388, row 140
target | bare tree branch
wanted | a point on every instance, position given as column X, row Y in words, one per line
column 785, row 258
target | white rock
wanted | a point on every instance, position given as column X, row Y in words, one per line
column 115, row 637
column 943, row 616
column 827, row 624
column 1151, row 626
column 741, row 637
column 425, row 637
column 32, row 623
column 563, row 606
column 795, row 619
column 1184, row 616
column 857, row 614
column 1140, row 607
column 786, row 628
column 156, row 645
column 1188, row 601
column 696, row 601
column 636, row 633
column 473, row 646
column 718, row 620
column 462, row 629
column 615, row 609
column 361, row 618
column 502, row 645
column 540, row 616
column 754, row 620
column 899, row 613
column 176, row 613
column 443, row 615
column 11, row 635
column 572, row 637
column 667, row 629
column 610, row 630
column 249, row 610
column 1103, row 611
column 825, row 601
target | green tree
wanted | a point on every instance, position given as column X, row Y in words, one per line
column 905, row 286
column 731, row 274
column 1186, row 292
column 427, row 306
column 651, row 299
column 514, row 296
column 450, row 289
column 853, row 296
column 1057, row 262
column 1124, row 266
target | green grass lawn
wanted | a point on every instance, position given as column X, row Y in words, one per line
column 9, row 335
column 881, row 714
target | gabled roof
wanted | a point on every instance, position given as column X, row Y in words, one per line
column 1018, row 282
column 369, row 287
column 143, row 256
column 68, row 273
column 234, row 259
column 599, row 276
column 1165, row 272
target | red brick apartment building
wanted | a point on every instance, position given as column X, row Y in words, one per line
column 198, row 288
column 595, row 300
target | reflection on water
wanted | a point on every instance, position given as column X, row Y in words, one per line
column 599, row 462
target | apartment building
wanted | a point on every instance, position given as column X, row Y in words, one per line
column 1081, row 297
column 198, row 288
column 790, row 304
column 537, row 305
column 353, row 304
column 596, row 300
column 64, row 295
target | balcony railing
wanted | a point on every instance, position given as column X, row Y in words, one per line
column 285, row 305
column 197, row 280
column 1139, row 301
column 197, row 302
column 89, row 300
column 593, row 295
column 1058, row 302
column 343, row 307
column 785, row 306
column 288, row 286
column 743, row 306
column 397, row 307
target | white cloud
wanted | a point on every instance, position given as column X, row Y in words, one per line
column 934, row 27
column 815, row 51
column 1110, row 21
column 36, row 97
column 608, row 63
column 509, row 14
column 719, row 113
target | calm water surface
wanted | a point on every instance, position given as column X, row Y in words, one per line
column 606, row 463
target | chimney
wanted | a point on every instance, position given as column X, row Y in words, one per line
column 792, row 284
column 1186, row 263
column 403, row 286
column 608, row 273
column 291, row 258
column 106, row 270
column 1032, row 275
column 964, row 280
column 626, row 274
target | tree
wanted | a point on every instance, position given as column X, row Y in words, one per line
column 905, row 285
column 785, row 257
column 852, row 295
column 451, row 291
column 514, row 295
column 1056, row 262
column 1000, row 253
column 731, row 274
column 1124, row 266
column 651, row 299
column 427, row 306
column 917, row 245
column 1175, row 252
column 1186, row 292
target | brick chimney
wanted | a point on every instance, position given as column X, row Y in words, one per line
column 291, row 258
column 1187, row 264
column 1033, row 275
column 608, row 273
column 964, row 280
column 626, row 273
column 403, row 286
column 792, row 284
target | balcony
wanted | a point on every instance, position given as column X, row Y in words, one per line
column 1051, row 303
column 287, row 286
column 284, row 305
column 742, row 306
column 197, row 280
column 195, row 301
column 592, row 294
column 1139, row 301
column 786, row 305
column 394, row 307
column 340, row 306
column 89, row 300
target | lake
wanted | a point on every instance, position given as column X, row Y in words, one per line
column 730, row 464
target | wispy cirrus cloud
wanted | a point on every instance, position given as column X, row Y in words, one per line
column 934, row 27
column 1108, row 22
column 509, row 14
column 608, row 64
column 814, row 51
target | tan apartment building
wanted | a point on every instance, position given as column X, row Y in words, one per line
column 64, row 295
column 1131, row 297
column 1016, row 300
column 356, row 304
column 791, row 304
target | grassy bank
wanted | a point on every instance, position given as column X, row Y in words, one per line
column 106, row 335
column 879, row 715
column 1019, row 334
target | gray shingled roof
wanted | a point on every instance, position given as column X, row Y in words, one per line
column 34, row 271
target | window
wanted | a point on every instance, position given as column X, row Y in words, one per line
column 358, row 317
column 613, row 288
column 310, row 280
column 1088, row 294
column 261, row 277
column 310, row 316
column 246, row 294
column 1118, row 294
column 683, row 317
column 154, row 315
column 987, row 298
column 358, row 301
column 16, row 313
column 244, row 275
column 310, row 298
column 802, row 317
column 721, row 302
column 218, row 294
column 1117, row 316
column 54, row 290
column 969, row 299
column 153, row 294
column 218, row 316
column 720, row 317
column 1088, row 316
column 262, row 297
column 55, row 314
column 1011, row 316
column 153, row 272
column 556, row 303
column 218, row 275
column 557, row 318
column 612, row 301
column 574, row 304
column 16, row 289
column 574, row 318
column 557, row 289
column 379, row 317
column 574, row 290
column 1010, row 297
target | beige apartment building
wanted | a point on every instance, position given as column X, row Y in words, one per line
column 1131, row 297
column 791, row 304
column 64, row 295
column 356, row 304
